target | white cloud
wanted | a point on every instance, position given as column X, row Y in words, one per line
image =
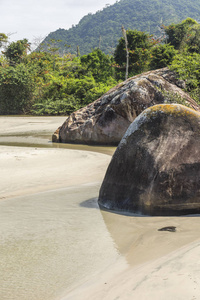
column 34, row 18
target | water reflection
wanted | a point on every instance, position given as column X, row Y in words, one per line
column 137, row 237
column 49, row 243
column 32, row 131
column 44, row 141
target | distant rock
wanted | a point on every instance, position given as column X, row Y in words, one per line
column 106, row 120
column 156, row 167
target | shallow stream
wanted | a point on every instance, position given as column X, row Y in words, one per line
column 50, row 241
column 53, row 241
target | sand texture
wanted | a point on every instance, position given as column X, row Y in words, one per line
column 55, row 243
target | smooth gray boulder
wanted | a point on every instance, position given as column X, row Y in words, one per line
column 105, row 121
column 156, row 167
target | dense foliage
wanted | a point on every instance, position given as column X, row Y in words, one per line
column 185, row 37
column 16, row 89
column 161, row 56
column 46, row 83
column 187, row 66
column 139, row 44
column 145, row 53
column 177, row 32
column 16, row 51
column 103, row 29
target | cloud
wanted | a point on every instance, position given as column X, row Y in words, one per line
column 34, row 18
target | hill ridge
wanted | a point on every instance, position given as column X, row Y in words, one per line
column 103, row 28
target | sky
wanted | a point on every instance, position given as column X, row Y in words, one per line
column 35, row 19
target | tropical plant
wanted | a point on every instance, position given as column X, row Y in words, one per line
column 191, row 40
column 139, row 45
column 187, row 66
column 17, row 51
column 98, row 64
column 161, row 56
column 177, row 32
column 16, row 89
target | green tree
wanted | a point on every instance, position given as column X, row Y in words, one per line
column 139, row 44
column 187, row 66
column 16, row 89
column 3, row 39
column 177, row 32
column 191, row 40
column 44, row 83
column 143, row 15
column 53, row 48
column 17, row 51
column 161, row 56
column 98, row 64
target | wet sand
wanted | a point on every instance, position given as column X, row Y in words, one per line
column 161, row 265
column 55, row 243
column 31, row 170
column 28, row 131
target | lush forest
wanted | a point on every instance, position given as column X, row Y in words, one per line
column 44, row 82
column 103, row 29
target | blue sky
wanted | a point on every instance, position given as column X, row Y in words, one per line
column 34, row 19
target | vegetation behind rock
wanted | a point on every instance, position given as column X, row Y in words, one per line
column 45, row 83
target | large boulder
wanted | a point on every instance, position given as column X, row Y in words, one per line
column 106, row 120
column 156, row 167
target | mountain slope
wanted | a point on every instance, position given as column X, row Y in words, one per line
column 104, row 27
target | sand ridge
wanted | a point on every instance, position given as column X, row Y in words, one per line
column 31, row 170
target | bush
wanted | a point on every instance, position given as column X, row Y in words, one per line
column 16, row 90
column 187, row 66
column 63, row 106
column 161, row 56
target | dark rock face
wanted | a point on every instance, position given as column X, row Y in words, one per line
column 168, row 228
column 106, row 120
column 156, row 167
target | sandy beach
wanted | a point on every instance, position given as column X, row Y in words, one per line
column 55, row 243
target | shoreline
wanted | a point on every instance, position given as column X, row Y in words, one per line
column 113, row 257
column 32, row 170
column 173, row 276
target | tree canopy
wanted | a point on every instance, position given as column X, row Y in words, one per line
column 104, row 27
column 139, row 44
column 17, row 51
column 99, row 64
column 3, row 39
column 45, row 83
column 177, row 32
